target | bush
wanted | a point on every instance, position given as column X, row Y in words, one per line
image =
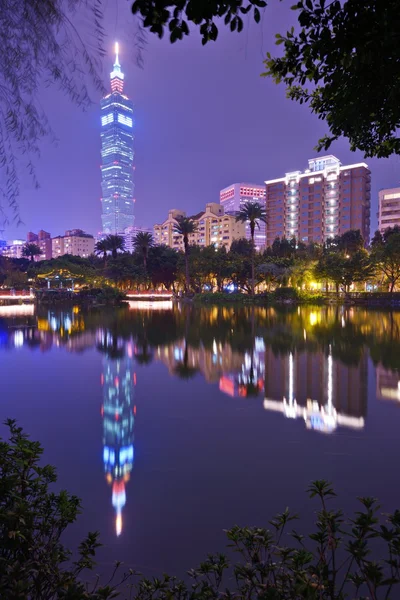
column 219, row 297
column 333, row 562
column 311, row 297
column 286, row 294
column 103, row 295
column 233, row 297
column 34, row 564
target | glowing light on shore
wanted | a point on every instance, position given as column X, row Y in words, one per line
column 17, row 310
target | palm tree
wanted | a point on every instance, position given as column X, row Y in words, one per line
column 101, row 247
column 253, row 213
column 31, row 251
column 115, row 243
column 142, row 241
column 185, row 226
column 182, row 368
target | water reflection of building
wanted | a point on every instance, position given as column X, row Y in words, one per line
column 324, row 392
column 249, row 379
column 212, row 363
column 65, row 328
column 232, row 370
column 387, row 384
column 118, row 412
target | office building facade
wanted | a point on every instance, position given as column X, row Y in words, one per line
column 325, row 200
column 389, row 208
column 214, row 227
column 117, row 156
column 235, row 196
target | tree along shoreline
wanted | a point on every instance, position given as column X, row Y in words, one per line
column 293, row 296
column 342, row 265
column 354, row 554
column 284, row 296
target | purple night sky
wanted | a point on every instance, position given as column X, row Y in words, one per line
column 204, row 118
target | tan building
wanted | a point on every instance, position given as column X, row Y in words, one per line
column 43, row 240
column 57, row 246
column 389, row 208
column 214, row 227
column 78, row 243
column 75, row 242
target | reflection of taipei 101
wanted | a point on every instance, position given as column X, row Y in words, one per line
column 118, row 412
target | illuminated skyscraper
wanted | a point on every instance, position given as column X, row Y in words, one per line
column 118, row 413
column 117, row 155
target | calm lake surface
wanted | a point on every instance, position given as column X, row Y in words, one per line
column 173, row 424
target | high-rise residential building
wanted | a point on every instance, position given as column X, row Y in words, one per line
column 214, row 227
column 389, row 208
column 43, row 240
column 78, row 243
column 13, row 249
column 235, row 196
column 75, row 242
column 117, row 155
column 325, row 200
column 130, row 233
column 57, row 244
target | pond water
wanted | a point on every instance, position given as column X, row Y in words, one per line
column 175, row 423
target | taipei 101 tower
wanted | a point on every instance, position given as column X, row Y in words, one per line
column 117, row 155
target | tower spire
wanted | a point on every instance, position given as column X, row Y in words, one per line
column 116, row 64
column 116, row 75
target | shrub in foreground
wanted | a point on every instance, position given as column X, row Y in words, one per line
column 342, row 558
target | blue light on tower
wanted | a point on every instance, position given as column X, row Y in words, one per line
column 117, row 155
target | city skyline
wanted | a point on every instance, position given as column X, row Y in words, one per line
column 182, row 125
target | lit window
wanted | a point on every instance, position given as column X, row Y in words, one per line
column 106, row 119
column 125, row 120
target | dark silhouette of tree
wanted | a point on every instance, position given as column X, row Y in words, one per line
column 386, row 255
column 252, row 213
column 101, row 248
column 157, row 16
column 41, row 45
column 31, row 251
column 185, row 226
column 142, row 242
column 241, row 246
column 331, row 62
column 115, row 243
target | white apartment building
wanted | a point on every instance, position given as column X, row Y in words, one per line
column 13, row 249
column 389, row 208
